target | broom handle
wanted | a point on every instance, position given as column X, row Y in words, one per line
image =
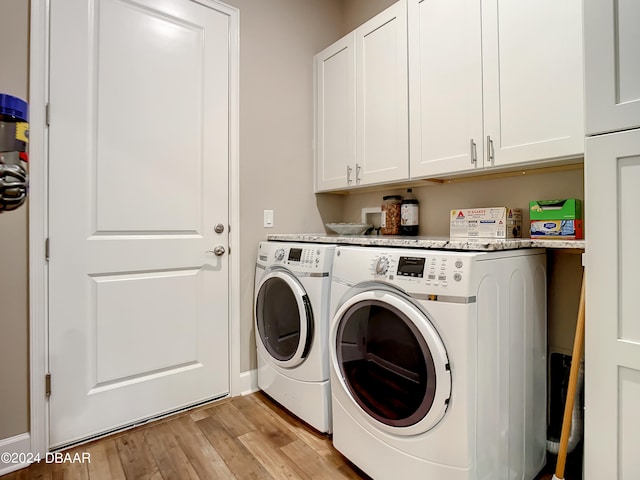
column 573, row 383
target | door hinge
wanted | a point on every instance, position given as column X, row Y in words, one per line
column 47, row 384
column 46, row 114
column 46, row 249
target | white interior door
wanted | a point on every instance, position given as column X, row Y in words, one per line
column 139, row 166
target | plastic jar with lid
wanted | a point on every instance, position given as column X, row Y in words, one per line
column 390, row 218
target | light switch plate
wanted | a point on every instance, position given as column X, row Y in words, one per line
column 268, row 219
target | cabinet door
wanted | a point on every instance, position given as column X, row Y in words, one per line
column 335, row 104
column 445, row 86
column 612, row 341
column 382, row 119
column 612, row 65
column 533, row 80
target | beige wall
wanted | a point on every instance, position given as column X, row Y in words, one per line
column 436, row 201
column 278, row 39
column 356, row 12
column 14, row 373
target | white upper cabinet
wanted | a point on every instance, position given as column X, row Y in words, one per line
column 494, row 83
column 445, row 85
column 382, row 117
column 532, row 80
column 335, row 115
column 612, row 65
column 362, row 117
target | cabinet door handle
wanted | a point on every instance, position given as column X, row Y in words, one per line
column 474, row 152
column 357, row 173
column 490, row 152
column 349, row 169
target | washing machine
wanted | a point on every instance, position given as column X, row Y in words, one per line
column 291, row 305
column 438, row 362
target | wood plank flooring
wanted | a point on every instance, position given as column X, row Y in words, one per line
column 248, row 437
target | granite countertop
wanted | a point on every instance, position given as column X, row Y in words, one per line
column 443, row 243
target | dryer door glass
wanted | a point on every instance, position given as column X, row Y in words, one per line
column 386, row 363
column 284, row 319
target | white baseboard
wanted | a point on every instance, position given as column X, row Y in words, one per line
column 20, row 448
column 249, row 382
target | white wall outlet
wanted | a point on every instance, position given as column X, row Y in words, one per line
column 268, row 219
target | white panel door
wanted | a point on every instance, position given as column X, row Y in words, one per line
column 139, row 135
column 612, row 65
column 382, row 110
column 445, row 87
column 336, row 112
column 612, row 341
column 532, row 80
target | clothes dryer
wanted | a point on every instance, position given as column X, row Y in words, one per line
column 291, row 305
column 438, row 362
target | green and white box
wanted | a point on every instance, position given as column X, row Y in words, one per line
column 490, row 222
column 556, row 218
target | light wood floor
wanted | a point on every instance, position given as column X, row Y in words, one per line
column 248, row 437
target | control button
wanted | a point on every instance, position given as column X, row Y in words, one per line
column 431, row 276
column 317, row 260
column 444, row 284
column 442, row 277
column 457, row 276
column 279, row 255
column 459, row 264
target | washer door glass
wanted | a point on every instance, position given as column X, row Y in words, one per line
column 284, row 318
column 392, row 361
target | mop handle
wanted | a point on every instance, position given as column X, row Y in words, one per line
column 573, row 383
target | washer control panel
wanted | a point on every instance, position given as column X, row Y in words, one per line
column 430, row 269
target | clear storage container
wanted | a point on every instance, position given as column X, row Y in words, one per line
column 390, row 219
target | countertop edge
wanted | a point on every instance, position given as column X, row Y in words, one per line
column 444, row 243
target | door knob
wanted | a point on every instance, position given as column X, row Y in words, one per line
column 217, row 250
column 219, row 228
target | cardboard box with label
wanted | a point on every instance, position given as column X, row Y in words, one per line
column 490, row 222
column 556, row 218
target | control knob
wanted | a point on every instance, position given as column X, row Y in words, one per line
column 381, row 266
column 279, row 255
